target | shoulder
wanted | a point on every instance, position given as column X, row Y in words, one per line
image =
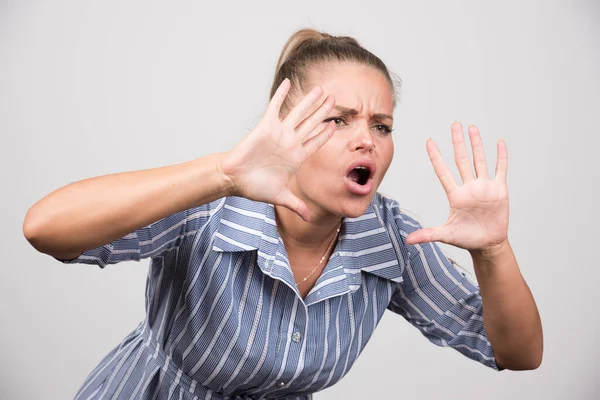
column 231, row 211
column 240, row 224
column 203, row 214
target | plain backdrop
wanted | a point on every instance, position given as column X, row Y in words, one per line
column 89, row 88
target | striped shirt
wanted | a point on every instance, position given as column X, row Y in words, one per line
column 224, row 319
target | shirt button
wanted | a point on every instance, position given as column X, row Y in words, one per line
column 296, row 337
column 280, row 384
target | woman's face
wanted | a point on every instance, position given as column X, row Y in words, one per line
column 342, row 177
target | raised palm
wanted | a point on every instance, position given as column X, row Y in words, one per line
column 478, row 217
column 262, row 164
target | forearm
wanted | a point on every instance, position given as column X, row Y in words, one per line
column 510, row 315
column 92, row 212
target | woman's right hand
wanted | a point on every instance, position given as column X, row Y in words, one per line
column 261, row 165
column 95, row 211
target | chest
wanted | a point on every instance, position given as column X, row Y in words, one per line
column 254, row 318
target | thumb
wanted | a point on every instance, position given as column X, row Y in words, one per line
column 438, row 234
column 288, row 200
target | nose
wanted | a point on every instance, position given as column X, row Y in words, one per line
column 362, row 140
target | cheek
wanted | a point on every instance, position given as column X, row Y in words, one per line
column 387, row 156
column 321, row 164
column 313, row 164
column 330, row 152
column 390, row 152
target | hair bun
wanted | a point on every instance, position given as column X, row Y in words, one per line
column 306, row 37
column 308, row 47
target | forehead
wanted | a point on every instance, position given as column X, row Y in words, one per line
column 354, row 86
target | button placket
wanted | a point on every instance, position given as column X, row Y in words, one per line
column 290, row 343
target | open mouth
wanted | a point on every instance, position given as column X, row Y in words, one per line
column 360, row 174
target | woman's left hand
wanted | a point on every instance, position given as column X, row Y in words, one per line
column 478, row 218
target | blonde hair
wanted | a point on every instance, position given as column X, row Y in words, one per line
column 309, row 47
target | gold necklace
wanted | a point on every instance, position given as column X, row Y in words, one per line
column 322, row 258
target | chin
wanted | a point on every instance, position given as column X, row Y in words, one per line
column 356, row 208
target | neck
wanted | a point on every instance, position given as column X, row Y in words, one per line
column 307, row 235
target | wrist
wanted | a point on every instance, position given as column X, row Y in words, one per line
column 491, row 252
column 494, row 263
column 226, row 178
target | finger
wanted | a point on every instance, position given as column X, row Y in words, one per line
column 478, row 152
column 461, row 157
column 316, row 131
column 276, row 102
column 439, row 234
column 502, row 163
column 440, row 168
column 288, row 200
column 299, row 112
column 309, row 124
column 317, row 141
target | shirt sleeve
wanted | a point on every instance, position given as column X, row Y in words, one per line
column 153, row 240
column 440, row 300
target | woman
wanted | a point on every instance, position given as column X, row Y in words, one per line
column 273, row 263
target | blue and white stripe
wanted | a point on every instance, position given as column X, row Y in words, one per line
column 225, row 320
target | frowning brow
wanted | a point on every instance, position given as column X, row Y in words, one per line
column 352, row 111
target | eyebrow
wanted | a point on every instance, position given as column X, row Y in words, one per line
column 352, row 111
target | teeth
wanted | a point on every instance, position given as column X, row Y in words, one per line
column 360, row 168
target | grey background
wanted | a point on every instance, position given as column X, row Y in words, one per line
column 90, row 88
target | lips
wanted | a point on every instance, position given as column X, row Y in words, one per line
column 359, row 176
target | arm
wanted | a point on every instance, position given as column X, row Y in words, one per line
column 92, row 212
column 439, row 300
column 511, row 317
column 97, row 211
column 478, row 222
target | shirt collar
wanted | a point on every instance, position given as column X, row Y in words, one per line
column 365, row 245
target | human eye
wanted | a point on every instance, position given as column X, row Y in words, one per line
column 339, row 121
column 383, row 129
